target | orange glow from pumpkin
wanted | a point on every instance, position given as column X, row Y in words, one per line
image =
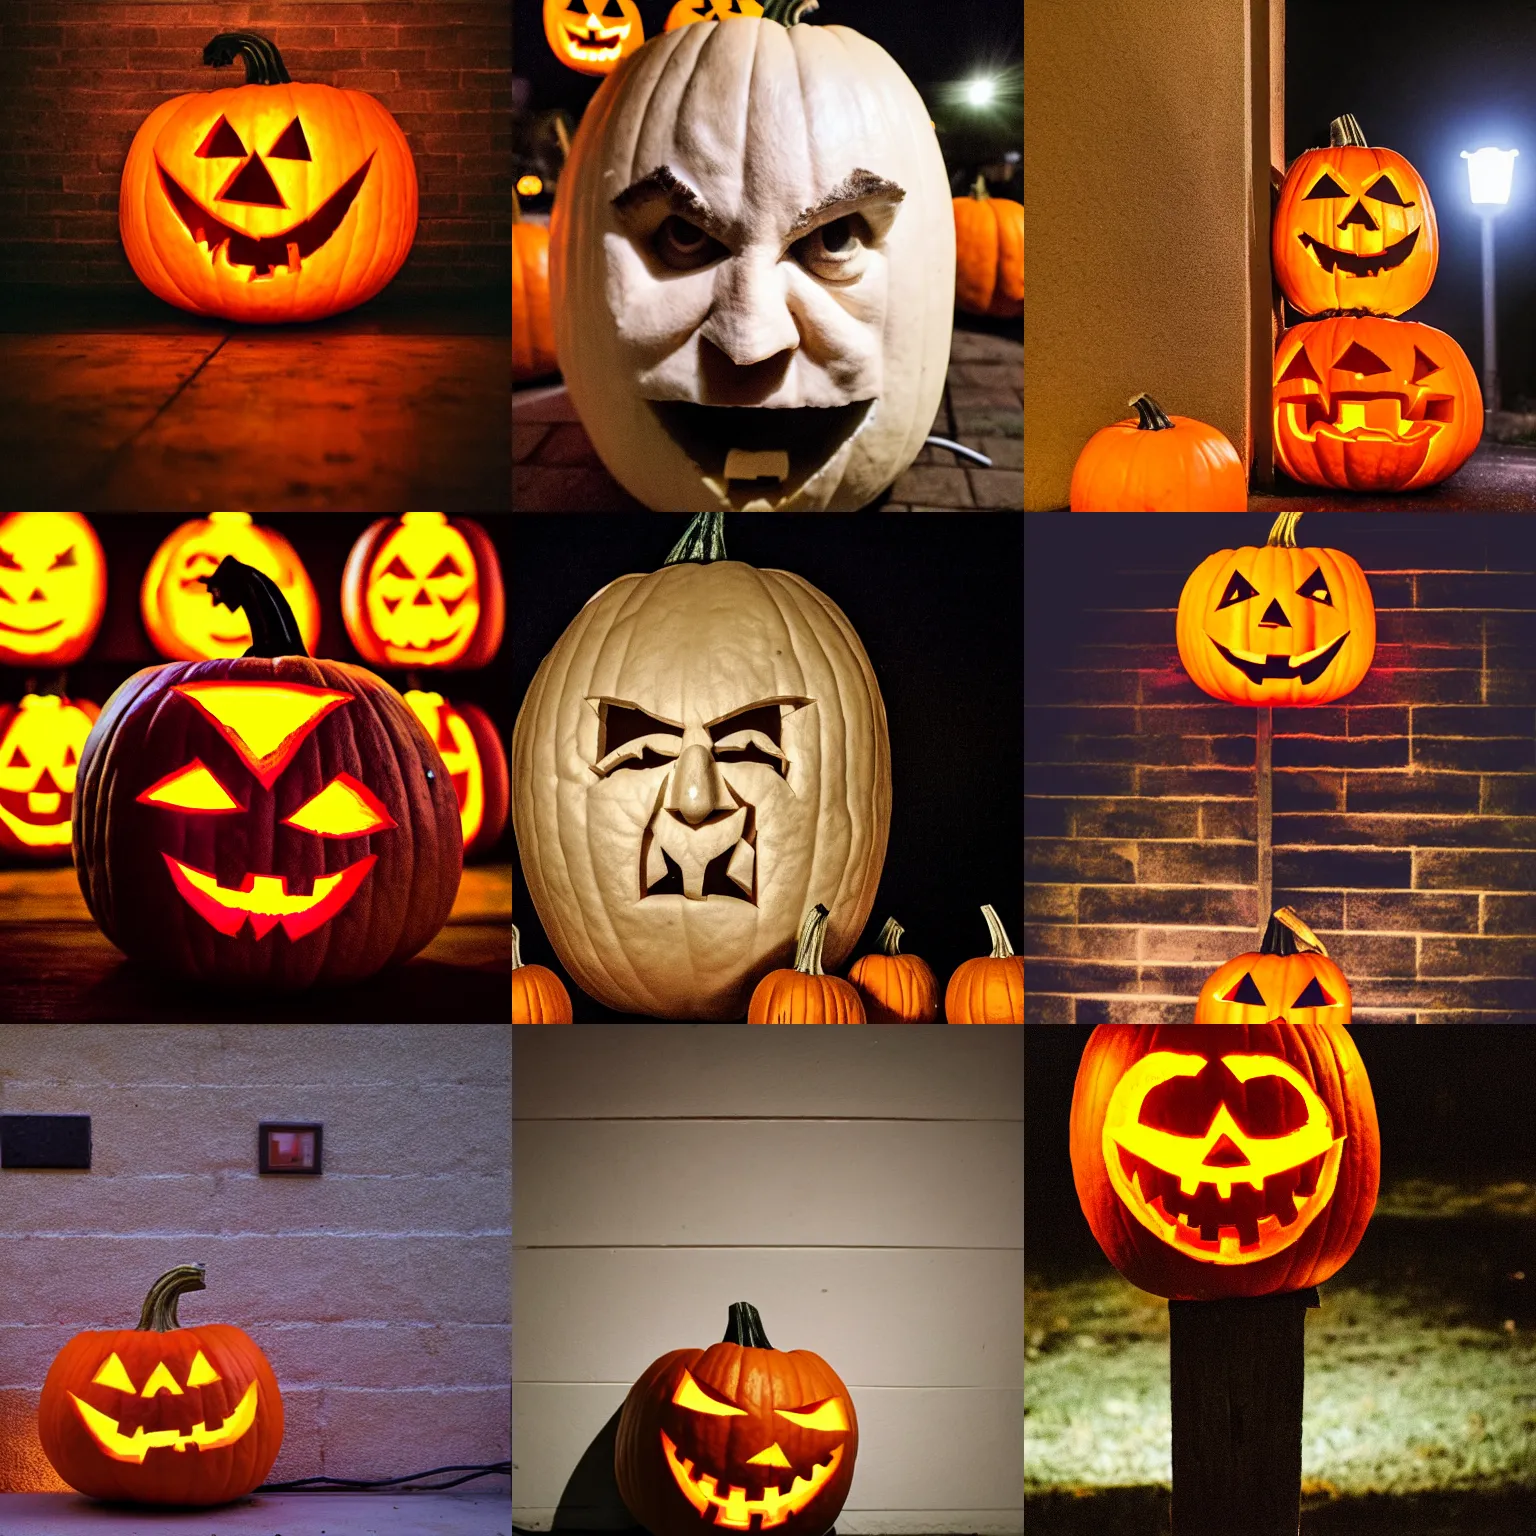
column 135, row 1447
column 192, row 788
column 423, row 592
column 344, row 808
column 53, row 587
column 265, row 899
column 455, row 743
column 734, row 1510
column 39, row 755
column 266, row 723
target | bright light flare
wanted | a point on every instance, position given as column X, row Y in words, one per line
column 1490, row 171
column 529, row 186
column 981, row 91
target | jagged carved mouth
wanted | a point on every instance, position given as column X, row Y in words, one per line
column 593, row 42
column 265, row 254
column 718, row 857
column 266, row 899
column 1360, row 418
column 733, row 1509
column 1306, row 668
column 108, row 1435
column 1384, row 260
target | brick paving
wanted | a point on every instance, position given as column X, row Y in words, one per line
column 556, row 469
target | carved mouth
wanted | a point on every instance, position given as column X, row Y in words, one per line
column 135, row 1447
column 716, row 858
column 733, row 1509
column 267, row 254
column 16, row 629
column 38, row 817
column 265, row 899
column 1362, row 266
column 1306, row 668
column 594, row 42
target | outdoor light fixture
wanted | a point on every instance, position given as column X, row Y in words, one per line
column 529, row 186
column 1490, row 172
column 981, row 91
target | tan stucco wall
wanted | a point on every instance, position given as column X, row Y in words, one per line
column 1148, row 266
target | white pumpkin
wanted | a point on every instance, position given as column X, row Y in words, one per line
column 701, row 758
column 752, row 261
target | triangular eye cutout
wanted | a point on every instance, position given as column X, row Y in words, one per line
column 1300, row 367
column 19, row 759
column 253, row 185
column 1238, row 590
column 1358, row 359
column 1316, row 588
column 1326, row 186
column 398, row 567
column 292, row 145
column 1384, row 191
column 447, row 566
column 1423, row 367
column 113, row 1374
column 222, row 143
column 1313, row 996
column 1245, row 992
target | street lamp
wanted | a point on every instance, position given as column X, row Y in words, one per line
column 1489, row 171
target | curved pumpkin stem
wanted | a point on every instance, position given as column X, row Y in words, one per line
column 788, row 12
column 1345, row 130
column 159, row 1311
column 1288, row 935
column 1283, row 534
column 890, row 937
column 743, row 1326
column 263, row 63
column 517, row 955
column 1001, row 948
column 979, row 191
column 1150, row 416
column 274, row 630
column 813, row 934
column 703, row 540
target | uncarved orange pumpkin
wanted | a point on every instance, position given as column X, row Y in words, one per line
column 895, row 988
column 533, row 325
column 1158, row 463
column 988, row 990
column 989, row 253
column 806, row 994
column 538, row 995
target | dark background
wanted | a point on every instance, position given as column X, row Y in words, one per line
column 1429, row 80
column 935, row 600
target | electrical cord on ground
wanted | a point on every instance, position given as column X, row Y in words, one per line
column 344, row 1484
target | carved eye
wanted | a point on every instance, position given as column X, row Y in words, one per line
column 398, row 567
column 447, row 566
column 192, row 788
column 202, row 1374
column 344, row 808
column 1326, row 186
column 630, row 738
column 1383, row 190
column 8, row 561
column 65, row 558
column 836, row 250
column 690, row 1395
column 113, row 1374
column 1361, row 361
column 19, row 759
column 1313, row 995
column 827, row 1415
column 222, row 143
column 683, row 246
column 1246, row 992
column 1239, row 590
column 1316, row 588
column 292, row 145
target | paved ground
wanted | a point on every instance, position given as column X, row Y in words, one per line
column 555, row 468
column 1499, row 477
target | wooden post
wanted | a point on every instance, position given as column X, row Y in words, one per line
column 1237, row 1391
column 1264, row 788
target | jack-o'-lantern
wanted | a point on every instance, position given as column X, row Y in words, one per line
column 267, row 202
column 228, row 812
column 41, row 740
column 115, row 1403
column 179, row 613
column 1158, row 463
column 1363, row 404
column 1278, row 624
column 53, row 588
column 700, row 758
column 713, row 1438
column 591, row 36
column 759, row 331
column 1291, row 979
column 1216, row 1160
column 424, row 590
column 685, row 12
column 1354, row 228
column 471, row 751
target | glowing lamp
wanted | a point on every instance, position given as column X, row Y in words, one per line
column 1490, row 172
column 529, row 186
column 980, row 91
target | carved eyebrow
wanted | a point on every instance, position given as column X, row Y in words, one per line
column 680, row 197
column 858, row 186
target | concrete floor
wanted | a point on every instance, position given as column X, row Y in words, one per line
column 455, row 1513
column 1499, row 477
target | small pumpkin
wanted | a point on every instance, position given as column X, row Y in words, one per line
column 268, row 202
column 538, row 995
column 53, row 588
column 471, row 750
column 685, row 12
column 895, row 988
column 989, row 253
column 592, row 36
column 1277, row 624
column 114, row 1401
column 806, row 994
column 41, row 740
column 739, row 1430
column 1291, row 979
column 988, row 990
column 1158, row 463
column 533, row 326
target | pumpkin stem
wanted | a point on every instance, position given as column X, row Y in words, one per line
column 980, row 189
column 1001, row 948
column 1288, row 935
column 788, row 12
column 743, row 1326
column 263, row 63
column 703, row 540
column 813, row 934
column 159, row 1312
column 517, row 955
column 1345, row 130
column 274, row 630
column 1150, row 415
column 1283, row 534
column 890, row 937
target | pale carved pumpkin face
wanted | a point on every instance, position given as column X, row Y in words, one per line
column 422, row 592
column 749, row 329
column 53, row 587
column 591, row 36
column 39, row 752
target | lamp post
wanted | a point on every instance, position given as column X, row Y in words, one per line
column 1489, row 171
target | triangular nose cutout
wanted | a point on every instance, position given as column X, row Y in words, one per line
column 1274, row 616
column 253, row 184
column 1226, row 1154
column 1313, row 996
column 1246, row 993
column 1358, row 215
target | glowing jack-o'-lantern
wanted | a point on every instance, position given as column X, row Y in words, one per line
column 115, row 1403
column 180, row 615
column 591, row 36
column 739, row 1436
column 763, row 332
column 268, row 202
column 1218, row 1160
column 472, row 753
column 686, row 12
column 41, row 740
column 1291, row 978
column 1277, row 624
column 53, row 588
column 423, row 590
column 227, row 812
column 700, row 759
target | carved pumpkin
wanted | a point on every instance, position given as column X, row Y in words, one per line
column 179, row 612
column 1216, row 1160
column 763, row 332
column 1278, row 624
column 1354, row 228
column 424, row 590
column 533, row 327
column 989, row 253
column 471, row 751
column 53, row 588
column 538, row 995
column 115, row 1401
column 1158, row 463
column 1373, row 405
column 700, row 758
column 267, row 202
column 895, row 988
column 990, row 989
column 228, row 812
column 710, row 1438
column 1290, row 979
column 688, row 11
column 806, row 994
column 591, row 36
column 41, row 740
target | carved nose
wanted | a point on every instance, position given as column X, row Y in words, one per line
column 1358, row 215
column 1274, row 616
column 1226, row 1154
column 421, row 600
column 694, row 786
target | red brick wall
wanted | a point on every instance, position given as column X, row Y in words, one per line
column 1405, row 815
column 77, row 77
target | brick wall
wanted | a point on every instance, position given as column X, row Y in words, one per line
column 1405, row 815
column 379, row 1291
column 77, row 77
